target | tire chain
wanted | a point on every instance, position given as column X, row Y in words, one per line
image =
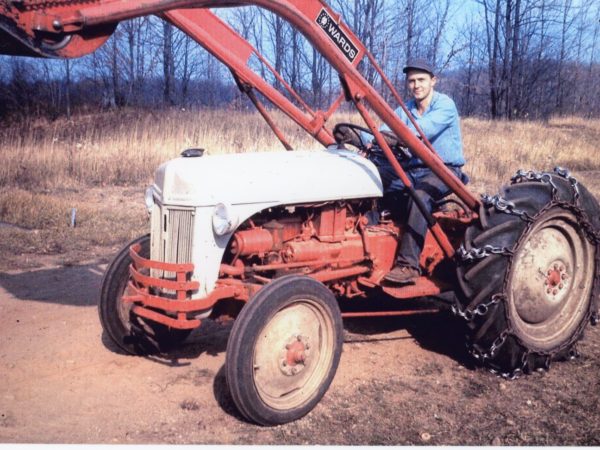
column 483, row 308
column 564, row 173
column 505, row 206
column 523, row 176
column 477, row 253
column 546, row 177
column 480, row 310
column 517, row 372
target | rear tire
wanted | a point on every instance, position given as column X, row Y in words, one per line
column 284, row 350
column 128, row 331
column 530, row 305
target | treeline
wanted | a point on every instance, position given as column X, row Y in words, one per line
column 497, row 58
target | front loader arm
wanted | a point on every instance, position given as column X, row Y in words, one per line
column 231, row 49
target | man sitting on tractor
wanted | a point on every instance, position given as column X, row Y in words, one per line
column 437, row 116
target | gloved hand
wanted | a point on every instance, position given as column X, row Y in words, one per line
column 392, row 140
column 343, row 134
column 397, row 145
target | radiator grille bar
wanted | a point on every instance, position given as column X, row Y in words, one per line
column 172, row 234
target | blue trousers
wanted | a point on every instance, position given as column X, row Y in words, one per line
column 429, row 189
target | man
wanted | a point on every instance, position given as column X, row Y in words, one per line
column 436, row 115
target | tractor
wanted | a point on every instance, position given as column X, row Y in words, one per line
column 290, row 243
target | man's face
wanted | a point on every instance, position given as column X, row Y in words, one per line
column 420, row 84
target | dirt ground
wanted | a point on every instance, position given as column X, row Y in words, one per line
column 405, row 381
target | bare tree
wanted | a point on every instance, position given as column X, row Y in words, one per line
column 318, row 76
column 115, row 71
column 470, row 61
column 67, row 63
column 566, row 24
column 593, row 72
column 277, row 33
column 438, row 22
column 168, row 65
column 523, row 58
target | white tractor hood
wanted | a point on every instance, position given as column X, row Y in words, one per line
column 287, row 178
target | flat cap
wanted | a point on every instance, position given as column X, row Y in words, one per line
column 418, row 64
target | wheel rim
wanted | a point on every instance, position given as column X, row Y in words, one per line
column 293, row 354
column 550, row 281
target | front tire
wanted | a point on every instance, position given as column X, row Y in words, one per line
column 128, row 331
column 284, row 350
column 528, row 301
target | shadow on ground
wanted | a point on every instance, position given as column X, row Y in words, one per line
column 74, row 285
column 80, row 286
column 440, row 333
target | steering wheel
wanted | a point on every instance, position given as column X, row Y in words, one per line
column 349, row 133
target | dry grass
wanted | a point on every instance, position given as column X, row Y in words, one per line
column 49, row 168
column 34, row 226
column 495, row 150
column 125, row 148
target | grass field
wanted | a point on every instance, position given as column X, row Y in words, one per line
column 100, row 164
column 124, row 148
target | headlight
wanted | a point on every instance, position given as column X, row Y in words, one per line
column 224, row 219
column 149, row 199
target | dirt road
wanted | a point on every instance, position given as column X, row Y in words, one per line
column 400, row 381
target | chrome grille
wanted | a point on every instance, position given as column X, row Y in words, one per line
column 172, row 231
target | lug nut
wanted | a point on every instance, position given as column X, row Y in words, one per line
column 560, row 286
column 564, row 276
column 555, row 266
column 549, row 271
column 555, row 291
column 548, row 290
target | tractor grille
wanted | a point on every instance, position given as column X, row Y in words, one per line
column 172, row 231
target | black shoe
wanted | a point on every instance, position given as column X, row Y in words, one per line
column 402, row 275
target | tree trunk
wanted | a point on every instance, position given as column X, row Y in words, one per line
column 561, row 59
column 115, row 73
column 131, row 74
column 504, row 86
column 168, row 65
column 493, row 32
column 410, row 23
column 515, row 76
column 68, row 88
column 186, row 75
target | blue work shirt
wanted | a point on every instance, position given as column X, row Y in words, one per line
column 440, row 124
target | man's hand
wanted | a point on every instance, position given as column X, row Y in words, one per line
column 344, row 134
column 392, row 140
column 397, row 145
